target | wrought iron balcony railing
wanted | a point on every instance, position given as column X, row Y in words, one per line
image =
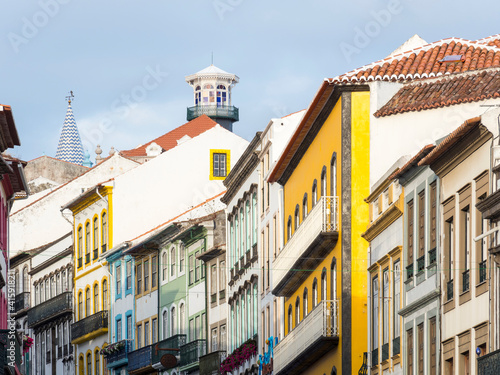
column 432, row 256
column 119, row 353
column 465, row 280
column 87, row 258
column 7, row 358
column 22, row 302
column 171, row 346
column 409, row 271
column 396, row 346
column 89, row 327
column 385, row 352
column 192, row 351
column 51, row 309
column 309, row 340
column 80, row 262
column 374, row 357
column 210, row 363
column 227, row 112
column 104, row 248
column 421, row 263
column 140, row 360
column 449, row 290
column 96, row 254
column 312, row 241
column 482, row 271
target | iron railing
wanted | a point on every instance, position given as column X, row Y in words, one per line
column 374, row 357
column 89, row 324
column 432, row 256
column 465, row 280
column 396, row 348
column 8, row 341
column 87, row 258
column 140, row 359
column 409, row 271
column 174, row 342
column 104, row 248
column 229, row 112
column 96, row 254
column 323, row 218
column 449, row 290
column 222, row 294
column 210, row 363
column 385, row 352
column 48, row 310
column 321, row 322
column 22, row 301
column 482, row 271
column 80, row 262
column 421, row 263
column 120, row 354
column 192, row 351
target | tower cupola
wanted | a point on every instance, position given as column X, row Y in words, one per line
column 212, row 96
column 70, row 145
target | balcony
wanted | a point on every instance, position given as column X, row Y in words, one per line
column 482, row 271
column 489, row 364
column 210, row 363
column 432, row 256
column 421, row 264
column 409, row 271
column 51, row 309
column 226, row 112
column 311, row 242
column 191, row 353
column 449, row 290
column 317, row 334
column 166, row 353
column 141, row 361
column 117, row 353
column 22, row 302
column 89, row 327
column 6, row 360
column 465, row 281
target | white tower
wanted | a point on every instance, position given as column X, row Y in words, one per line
column 212, row 96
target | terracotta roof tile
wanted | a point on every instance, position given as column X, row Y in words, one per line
column 449, row 90
column 424, row 62
column 450, row 140
column 412, row 162
column 169, row 140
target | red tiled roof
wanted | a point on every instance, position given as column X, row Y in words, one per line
column 493, row 40
column 450, row 140
column 169, row 140
column 412, row 162
column 456, row 89
column 424, row 62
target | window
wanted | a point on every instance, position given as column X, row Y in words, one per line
column 172, row 262
column 191, row 269
column 433, row 216
column 146, row 275
column 432, row 346
column 181, row 257
column 87, row 302
column 333, row 176
column 118, row 330
column 97, row 362
column 255, row 308
column 421, row 224
column 89, row 364
column 139, row 336
column 297, row 217
column 128, row 281
column 297, row 311
column 449, row 257
column 248, row 225
column 222, row 277
column 323, row 285
column 219, row 165
column 410, row 238
column 96, row 237
column 96, row 298
column 104, row 232
column 222, row 337
column 213, row 283
column 242, row 234
column 105, row 295
column 314, row 195
column 173, row 322
column 215, row 337
column 80, row 306
column 80, row 246
column 420, row 343
column 254, row 218
column 146, row 333
column 385, row 312
column 154, row 271
column 304, row 207
column 87, row 243
column 323, row 182
column 305, row 307
column 289, row 228
column 466, row 249
column 118, row 280
column 164, row 266
column 165, row 325
column 198, row 266
column 182, row 318
column 315, row 293
column 409, row 353
column 333, row 280
column 397, row 298
column 290, row 325
column 375, row 313
column 129, row 327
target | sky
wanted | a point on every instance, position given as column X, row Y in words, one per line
column 126, row 61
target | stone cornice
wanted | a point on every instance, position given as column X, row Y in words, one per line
column 384, row 220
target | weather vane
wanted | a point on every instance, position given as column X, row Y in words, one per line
column 68, row 98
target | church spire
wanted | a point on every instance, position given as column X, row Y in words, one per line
column 70, row 145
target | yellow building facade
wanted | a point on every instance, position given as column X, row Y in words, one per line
column 321, row 271
column 92, row 215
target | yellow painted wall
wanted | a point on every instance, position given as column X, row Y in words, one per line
column 319, row 154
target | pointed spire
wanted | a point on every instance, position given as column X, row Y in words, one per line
column 70, row 145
